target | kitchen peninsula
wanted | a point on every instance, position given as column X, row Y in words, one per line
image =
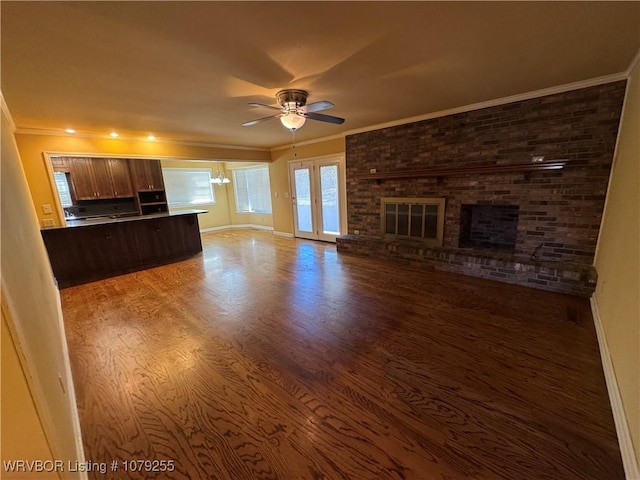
column 94, row 249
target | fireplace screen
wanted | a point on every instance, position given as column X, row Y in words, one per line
column 489, row 226
column 413, row 218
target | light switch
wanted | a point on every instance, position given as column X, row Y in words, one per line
column 48, row 222
column 46, row 208
column 286, row 194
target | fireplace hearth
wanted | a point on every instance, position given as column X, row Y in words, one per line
column 493, row 227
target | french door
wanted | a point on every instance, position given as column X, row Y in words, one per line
column 318, row 197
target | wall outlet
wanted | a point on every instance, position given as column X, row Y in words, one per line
column 372, row 170
column 356, row 232
column 48, row 222
column 537, row 159
column 46, row 208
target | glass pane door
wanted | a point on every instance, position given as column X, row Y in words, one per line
column 330, row 199
column 318, row 199
column 303, row 199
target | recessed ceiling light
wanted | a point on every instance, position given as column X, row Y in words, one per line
column 70, row 130
column 114, row 134
column 151, row 137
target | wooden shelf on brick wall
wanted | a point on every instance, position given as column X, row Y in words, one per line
column 472, row 169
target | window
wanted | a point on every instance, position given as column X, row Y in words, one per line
column 253, row 194
column 417, row 218
column 188, row 186
column 62, row 184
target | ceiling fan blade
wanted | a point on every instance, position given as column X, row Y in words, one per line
column 317, row 106
column 323, row 118
column 253, row 104
column 258, row 120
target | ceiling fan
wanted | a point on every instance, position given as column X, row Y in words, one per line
column 294, row 110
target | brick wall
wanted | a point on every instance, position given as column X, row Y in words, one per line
column 561, row 210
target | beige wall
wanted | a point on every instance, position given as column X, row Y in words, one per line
column 32, row 147
column 279, row 177
column 23, row 436
column 618, row 262
column 31, row 309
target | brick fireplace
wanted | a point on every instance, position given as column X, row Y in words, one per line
column 534, row 228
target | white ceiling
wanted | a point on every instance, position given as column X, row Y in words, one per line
column 185, row 71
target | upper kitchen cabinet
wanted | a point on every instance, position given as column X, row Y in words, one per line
column 120, row 177
column 83, row 179
column 96, row 178
column 147, row 174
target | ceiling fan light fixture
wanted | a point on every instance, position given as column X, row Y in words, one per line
column 292, row 121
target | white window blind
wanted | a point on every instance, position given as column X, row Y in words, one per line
column 63, row 189
column 188, row 186
column 253, row 194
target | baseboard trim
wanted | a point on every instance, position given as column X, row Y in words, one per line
column 235, row 227
column 631, row 470
column 283, row 234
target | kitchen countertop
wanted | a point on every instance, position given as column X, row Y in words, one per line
column 133, row 218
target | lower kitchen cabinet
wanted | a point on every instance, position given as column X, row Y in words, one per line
column 85, row 253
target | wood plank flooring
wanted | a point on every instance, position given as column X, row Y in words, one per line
column 273, row 358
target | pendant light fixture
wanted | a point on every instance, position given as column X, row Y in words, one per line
column 219, row 177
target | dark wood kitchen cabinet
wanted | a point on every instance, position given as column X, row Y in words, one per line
column 82, row 252
column 120, row 175
column 83, row 179
column 90, row 251
column 147, row 174
column 166, row 235
column 149, row 183
column 98, row 178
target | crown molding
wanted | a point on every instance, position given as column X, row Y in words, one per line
column 442, row 113
column 633, row 63
column 59, row 133
column 5, row 109
column 592, row 82
column 500, row 101
column 53, row 153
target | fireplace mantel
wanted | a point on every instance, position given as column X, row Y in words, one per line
column 472, row 169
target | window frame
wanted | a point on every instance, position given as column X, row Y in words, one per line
column 69, row 189
column 189, row 169
column 234, row 172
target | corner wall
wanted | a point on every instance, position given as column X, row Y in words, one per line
column 617, row 261
column 31, row 309
column 257, row 219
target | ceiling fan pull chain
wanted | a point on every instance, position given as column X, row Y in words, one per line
column 293, row 142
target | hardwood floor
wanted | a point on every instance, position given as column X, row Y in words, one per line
column 266, row 357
